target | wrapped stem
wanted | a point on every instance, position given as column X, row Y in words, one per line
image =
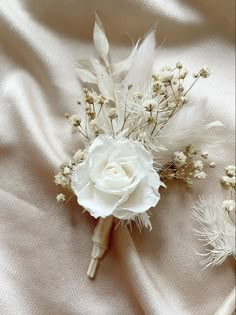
column 100, row 239
column 228, row 306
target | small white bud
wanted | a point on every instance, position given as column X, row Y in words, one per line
column 113, row 113
column 204, row 72
column 180, row 158
column 230, row 170
column 61, row 198
column 204, row 154
column 198, row 165
column 199, row 175
column 66, row 170
column 179, row 65
column 166, row 77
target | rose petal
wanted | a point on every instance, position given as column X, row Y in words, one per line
column 97, row 164
column 96, row 202
column 137, row 177
column 80, row 177
column 142, row 199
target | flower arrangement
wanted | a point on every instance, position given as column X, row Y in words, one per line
column 139, row 132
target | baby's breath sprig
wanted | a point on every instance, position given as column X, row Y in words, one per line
column 230, row 178
column 63, row 178
column 187, row 166
column 148, row 111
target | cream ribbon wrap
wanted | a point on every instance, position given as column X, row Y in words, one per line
column 228, row 306
column 100, row 239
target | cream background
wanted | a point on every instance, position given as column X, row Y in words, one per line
column 43, row 258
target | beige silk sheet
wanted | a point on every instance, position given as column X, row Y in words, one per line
column 43, row 258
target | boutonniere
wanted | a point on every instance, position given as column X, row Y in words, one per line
column 139, row 131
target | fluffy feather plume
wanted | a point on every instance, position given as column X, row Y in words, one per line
column 141, row 68
column 121, row 68
column 216, row 230
column 188, row 126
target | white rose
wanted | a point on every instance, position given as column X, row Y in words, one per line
column 117, row 178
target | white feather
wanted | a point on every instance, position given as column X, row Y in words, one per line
column 140, row 72
column 188, row 126
column 216, row 230
column 120, row 69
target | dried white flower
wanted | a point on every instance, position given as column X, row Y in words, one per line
column 196, row 75
column 96, row 126
column 75, row 120
column 183, row 74
column 228, row 205
column 79, row 156
column 113, row 113
column 62, row 180
column 216, row 230
column 183, row 99
column 66, row 170
column 149, row 105
column 179, row 65
column 204, row 72
column 204, row 154
column 230, row 170
column 58, row 178
column 228, row 181
column 199, row 175
column 191, row 150
column 100, row 99
column 61, row 198
column 180, row 158
column 198, row 165
column 166, row 77
column 189, row 182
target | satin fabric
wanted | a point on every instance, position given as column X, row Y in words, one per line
column 43, row 257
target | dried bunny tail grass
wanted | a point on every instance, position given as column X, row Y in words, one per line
column 216, row 229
